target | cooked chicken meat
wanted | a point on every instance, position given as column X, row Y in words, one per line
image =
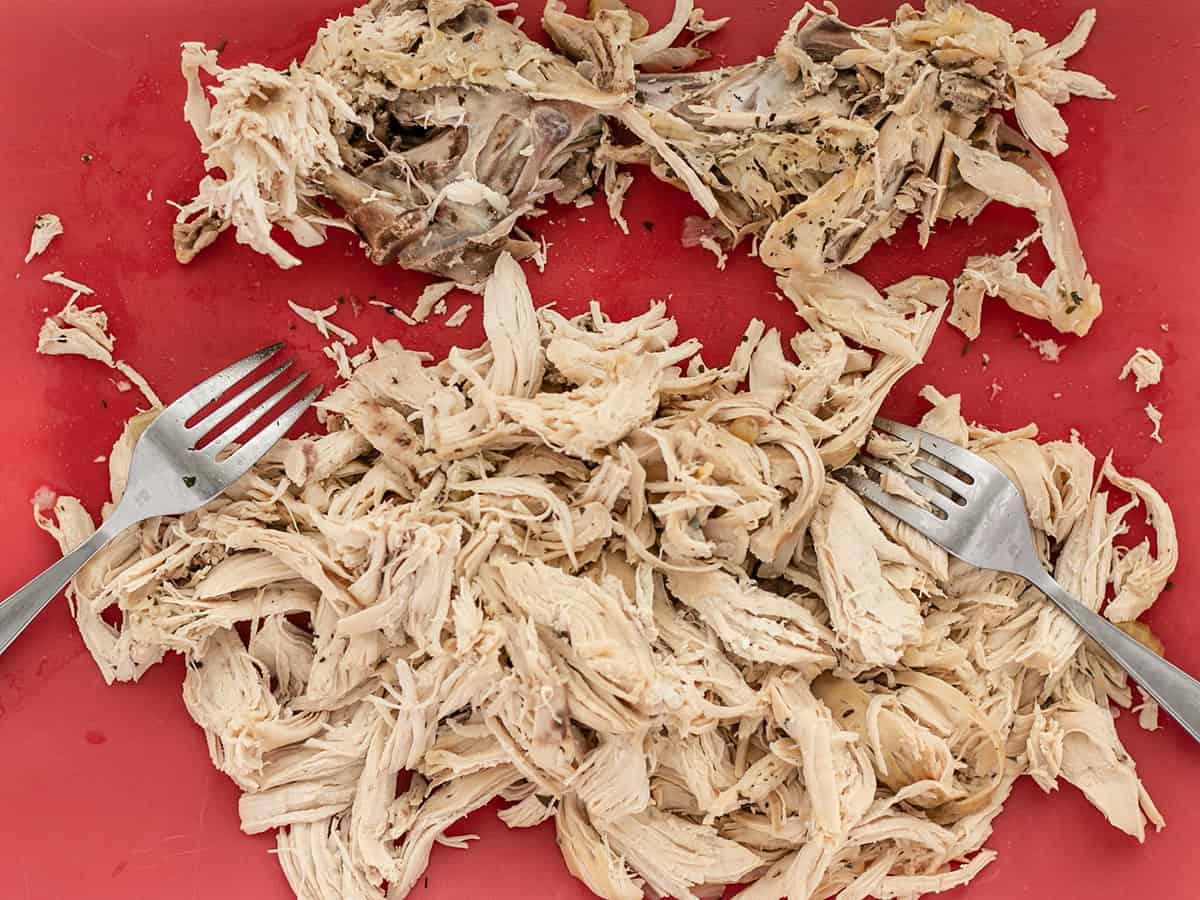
column 1048, row 349
column 435, row 126
column 579, row 571
column 1154, row 414
column 84, row 332
column 46, row 228
column 1145, row 366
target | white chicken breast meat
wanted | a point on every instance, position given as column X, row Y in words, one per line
column 577, row 570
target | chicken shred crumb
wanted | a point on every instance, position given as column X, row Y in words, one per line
column 319, row 319
column 346, row 364
column 1145, row 366
column 1049, row 349
column 1147, row 713
column 46, row 228
column 395, row 311
column 430, row 299
column 456, row 318
column 62, row 281
column 1154, row 414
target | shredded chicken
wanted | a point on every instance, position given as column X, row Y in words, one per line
column 1145, row 366
column 1154, row 414
column 1147, row 713
column 430, row 298
column 395, row 311
column 62, row 281
column 436, row 126
column 345, row 363
column 456, row 318
column 1048, row 349
column 319, row 319
column 84, row 332
column 46, row 228
column 577, row 569
column 1139, row 576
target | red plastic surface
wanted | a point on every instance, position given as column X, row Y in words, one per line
column 109, row 793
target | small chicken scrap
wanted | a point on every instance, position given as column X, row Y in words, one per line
column 1145, row 366
column 435, row 126
column 46, row 228
column 579, row 570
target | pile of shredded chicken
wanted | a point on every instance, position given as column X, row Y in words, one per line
column 580, row 570
column 436, row 125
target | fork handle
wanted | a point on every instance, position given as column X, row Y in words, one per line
column 1174, row 689
column 19, row 609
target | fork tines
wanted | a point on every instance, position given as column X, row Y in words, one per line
column 922, row 489
column 212, row 389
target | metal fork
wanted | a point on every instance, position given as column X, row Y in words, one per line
column 171, row 474
column 977, row 514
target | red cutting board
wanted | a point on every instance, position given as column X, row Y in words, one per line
column 109, row 793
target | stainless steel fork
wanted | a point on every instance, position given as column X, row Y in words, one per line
column 976, row 513
column 171, row 474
